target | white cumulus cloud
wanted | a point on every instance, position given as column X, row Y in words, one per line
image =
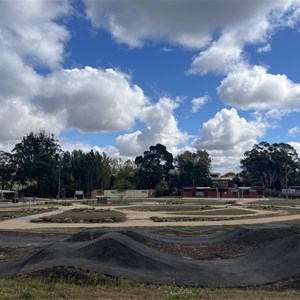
column 188, row 23
column 296, row 146
column 227, row 136
column 293, row 131
column 29, row 29
column 162, row 127
column 16, row 78
column 197, row 103
column 254, row 88
column 219, row 57
column 94, row 100
column 30, row 37
column 228, row 50
column 19, row 118
column 265, row 48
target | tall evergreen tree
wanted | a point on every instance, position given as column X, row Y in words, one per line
column 36, row 159
column 270, row 165
column 193, row 168
column 154, row 167
column 6, row 170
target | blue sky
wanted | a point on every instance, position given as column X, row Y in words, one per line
column 121, row 75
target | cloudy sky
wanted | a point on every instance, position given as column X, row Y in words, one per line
column 121, row 75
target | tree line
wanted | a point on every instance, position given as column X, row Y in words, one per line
column 38, row 166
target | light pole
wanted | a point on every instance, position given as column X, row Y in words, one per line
column 58, row 189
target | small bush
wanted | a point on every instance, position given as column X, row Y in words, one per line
column 272, row 193
column 27, row 295
column 159, row 190
column 179, row 293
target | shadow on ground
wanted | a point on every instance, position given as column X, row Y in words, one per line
column 272, row 255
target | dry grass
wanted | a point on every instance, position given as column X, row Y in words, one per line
column 22, row 212
column 85, row 215
column 115, row 289
column 278, row 202
column 169, row 208
column 217, row 212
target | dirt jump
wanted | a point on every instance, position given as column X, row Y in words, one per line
column 273, row 255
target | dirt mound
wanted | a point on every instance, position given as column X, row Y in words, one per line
column 116, row 254
column 84, row 236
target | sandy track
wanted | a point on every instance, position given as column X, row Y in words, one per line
column 142, row 218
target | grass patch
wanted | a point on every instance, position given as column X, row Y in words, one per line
column 171, row 202
column 295, row 223
column 84, row 215
column 293, row 211
column 200, row 218
column 189, row 219
column 169, row 208
column 208, row 202
column 162, row 201
column 289, row 210
column 94, row 202
column 277, row 202
column 223, row 212
column 22, row 212
column 37, row 287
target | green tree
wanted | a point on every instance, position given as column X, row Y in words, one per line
column 36, row 160
column 67, row 189
column 154, row 167
column 286, row 159
column 6, row 170
column 90, row 170
column 92, row 174
column 193, row 168
column 270, row 165
column 123, row 174
column 123, row 184
column 236, row 178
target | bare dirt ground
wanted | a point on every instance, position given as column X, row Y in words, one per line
column 142, row 218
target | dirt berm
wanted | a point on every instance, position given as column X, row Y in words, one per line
column 123, row 254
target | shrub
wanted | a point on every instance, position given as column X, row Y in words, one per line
column 272, row 193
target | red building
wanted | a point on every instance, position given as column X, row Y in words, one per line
column 237, row 193
column 224, row 187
